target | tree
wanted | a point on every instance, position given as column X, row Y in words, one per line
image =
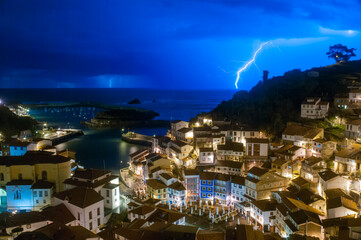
column 341, row 53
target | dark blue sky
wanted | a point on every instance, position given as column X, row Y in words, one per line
column 187, row 44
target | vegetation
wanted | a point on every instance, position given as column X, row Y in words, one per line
column 340, row 53
column 11, row 124
column 271, row 104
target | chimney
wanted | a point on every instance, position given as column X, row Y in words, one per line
column 265, row 75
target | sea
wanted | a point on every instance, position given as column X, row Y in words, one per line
column 104, row 148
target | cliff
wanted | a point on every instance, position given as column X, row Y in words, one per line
column 269, row 105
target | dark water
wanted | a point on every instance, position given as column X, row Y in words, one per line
column 104, row 148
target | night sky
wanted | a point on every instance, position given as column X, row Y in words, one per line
column 169, row 44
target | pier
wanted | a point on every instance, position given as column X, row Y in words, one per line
column 136, row 138
column 62, row 135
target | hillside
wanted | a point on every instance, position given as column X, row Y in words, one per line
column 11, row 124
column 271, row 104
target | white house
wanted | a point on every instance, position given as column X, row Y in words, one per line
column 353, row 129
column 341, row 207
column 176, row 125
column 85, row 204
column 185, row 134
column 206, row 156
column 329, row 179
column 263, row 213
column 314, row 108
column 257, row 147
column 237, row 190
column 102, row 181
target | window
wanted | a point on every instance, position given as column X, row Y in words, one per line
column 40, row 193
column 46, row 193
column 20, row 176
column 37, row 201
column 90, row 226
column 44, row 201
column 98, row 221
column 98, row 211
column 17, row 195
column 1, row 177
column 35, row 193
column 44, row 175
column 90, row 215
column 79, row 216
column 28, row 226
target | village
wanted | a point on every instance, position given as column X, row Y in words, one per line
column 208, row 177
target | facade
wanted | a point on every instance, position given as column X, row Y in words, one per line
column 222, row 189
column 323, row 148
column 85, row 204
column 229, row 167
column 177, row 125
column 207, row 185
column 261, row 182
column 263, row 214
column 329, row 180
column 230, row 151
column 348, row 160
column 301, row 135
column 177, row 194
column 310, row 168
column 354, row 96
column 206, row 156
column 192, row 184
column 237, row 190
column 353, row 129
column 185, row 134
column 314, row 108
column 156, row 189
column 102, row 181
column 257, row 147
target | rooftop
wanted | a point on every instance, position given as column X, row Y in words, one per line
column 79, row 196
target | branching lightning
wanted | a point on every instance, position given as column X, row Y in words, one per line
column 242, row 69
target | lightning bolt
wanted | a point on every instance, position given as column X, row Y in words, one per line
column 242, row 69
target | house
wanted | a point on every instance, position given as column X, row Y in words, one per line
column 59, row 231
column 237, row 191
column 282, row 167
column 207, row 185
column 354, row 96
column 342, row 228
column 257, row 147
column 314, row 108
column 19, row 148
column 340, row 207
column 176, row 125
column 206, row 156
column 12, row 225
column 229, row 167
column 60, row 214
column 290, row 153
column 301, row 135
column 341, row 101
column 261, row 182
column 230, row 151
column 160, row 144
column 85, row 204
column 353, row 129
column 184, row 134
column 329, row 179
column 166, row 216
column 323, row 148
column 295, row 217
column 348, row 159
column 310, row 168
column 178, row 150
column 177, row 194
column 222, row 189
column 136, row 160
column 263, row 214
column 312, row 199
column 102, row 181
column 156, row 189
column 192, row 184
column 141, row 212
column 202, row 137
